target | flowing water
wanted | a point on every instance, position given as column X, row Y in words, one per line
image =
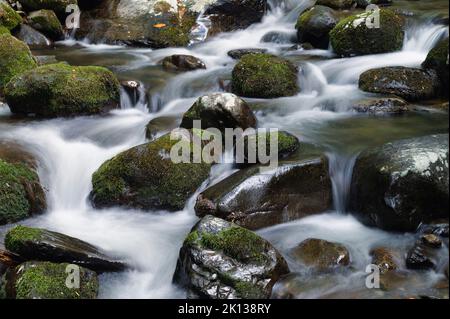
column 70, row 150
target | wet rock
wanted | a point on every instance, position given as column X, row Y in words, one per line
column 221, row 111
column 239, row 53
column 45, row 280
column 336, row 4
column 44, row 245
column 420, row 257
column 364, row 3
column 287, row 145
column 254, row 199
column 9, row 18
column 58, row 6
column 278, row 37
column 352, row 36
column 220, row 260
column 321, row 254
column 408, row 83
column 231, row 15
column 63, row 90
column 264, row 76
column 145, row 176
column 314, row 26
column 299, row 286
column 21, row 194
column 431, row 240
column 436, row 229
column 32, row 38
column 46, row 22
column 384, row 259
column 180, row 62
column 381, row 106
column 437, row 60
column 15, row 58
column 132, row 89
column 402, row 184
column 161, row 125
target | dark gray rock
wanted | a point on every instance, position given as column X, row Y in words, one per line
column 239, row 53
column 181, row 62
column 32, row 37
column 402, row 184
column 314, row 26
column 381, row 106
column 220, row 260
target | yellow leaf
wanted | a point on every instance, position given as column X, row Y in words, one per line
column 159, row 25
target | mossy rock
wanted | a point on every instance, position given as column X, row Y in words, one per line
column 287, row 143
column 46, row 22
column 15, row 58
column 20, row 193
column 264, row 76
column 9, row 18
column 45, row 280
column 412, row 84
column 314, row 26
column 145, row 177
column 336, row 4
column 437, row 59
column 63, row 90
column 58, row 6
column 351, row 36
column 4, row 30
column 214, row 244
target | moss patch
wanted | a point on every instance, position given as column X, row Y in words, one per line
column 437, row 59
column 4, row 30
column 176, row 33
column 146, row 177
column 45, row 280
column 351, row 36
column 9, row 18
column 18, row 235
column 63, row 90
column 15, row 58
column 15, row 204
column 264, row 76
column 47, row 22
column 287, row 143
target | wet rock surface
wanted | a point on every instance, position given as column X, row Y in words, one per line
column 179, row 62
column 44, row 245
column 381, row 106
column 402, row 184
column 239, row 53
column 254, row 199
column 314, row 26
column 220, row 260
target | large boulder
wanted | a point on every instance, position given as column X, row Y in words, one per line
column 21, row 193
column 437, row 60
column 45, row 280
column 33, row 38
column 9, row 18
column 145, row 176
column 254, row 199
column 58, row 6
column 264, row 76
column 314, row 26
column 321, row 255
column 409, row 83
column 181, row 62
column 221, row 111
column 220, row 260
column 403, row 184
column 44, row 245
column 63, row 90
column 353, row 36
column 336, row 4
column 231, row 15
column 46, row 22
column 15, row 58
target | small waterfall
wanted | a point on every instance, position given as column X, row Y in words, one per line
column 134, row 97
column 341, row 171
column 200, row 32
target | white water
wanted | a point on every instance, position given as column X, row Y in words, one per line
column 71, row 150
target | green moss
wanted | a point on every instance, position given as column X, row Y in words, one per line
column 17, row 236
column 437, row 59
column 264, row 76
column 47, row 22
column 63, row 90
column 14, row 202
column 237, row 242
column 244, row 289
column 146, row 177
column 9, row 18
column 4, row 30
column 176, row 33
column 304, row 18
column 287, row 143
column 45, row 280
column 15, row 58
column 348, row 39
